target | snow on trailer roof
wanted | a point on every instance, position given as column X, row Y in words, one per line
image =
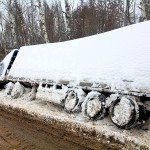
column 119, row 58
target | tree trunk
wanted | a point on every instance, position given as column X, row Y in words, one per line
column 42, row 22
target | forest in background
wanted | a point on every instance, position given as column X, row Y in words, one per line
column 28, row 22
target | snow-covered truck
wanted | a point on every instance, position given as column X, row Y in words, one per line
column 108, row 73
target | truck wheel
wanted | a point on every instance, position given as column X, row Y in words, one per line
column 95, row 105
column 71, row 100
column 124, row 112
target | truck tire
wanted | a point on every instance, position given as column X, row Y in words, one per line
column 95, row 105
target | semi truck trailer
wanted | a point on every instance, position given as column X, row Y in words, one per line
column 99, row 75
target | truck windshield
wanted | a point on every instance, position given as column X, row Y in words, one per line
column 1, row 68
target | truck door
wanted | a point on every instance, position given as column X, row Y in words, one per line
column 6, row 64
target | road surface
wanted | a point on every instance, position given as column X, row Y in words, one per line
column 20, row 133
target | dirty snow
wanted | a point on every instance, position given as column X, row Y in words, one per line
column 51, row 94
column 47, row 111
column 57, row 96
column 119, row 58
column 111, row 99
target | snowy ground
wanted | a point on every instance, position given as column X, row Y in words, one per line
column 104, row 129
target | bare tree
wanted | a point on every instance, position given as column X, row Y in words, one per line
column 60, row 27
column 32, row 27
column 68, row 18
column 8, row 24
column 145, row 10
column 129, row 12
column 37, row 21
column 3, row 48
column 42, row 21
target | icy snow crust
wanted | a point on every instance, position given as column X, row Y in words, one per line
column 119, row 58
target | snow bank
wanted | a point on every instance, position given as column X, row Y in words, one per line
column 51, row 94
column 120, row 59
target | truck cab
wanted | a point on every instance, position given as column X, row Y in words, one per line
column 6, row 64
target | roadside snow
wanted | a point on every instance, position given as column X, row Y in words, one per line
column 51, row 94
column 50, row 112
column 119, row 59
